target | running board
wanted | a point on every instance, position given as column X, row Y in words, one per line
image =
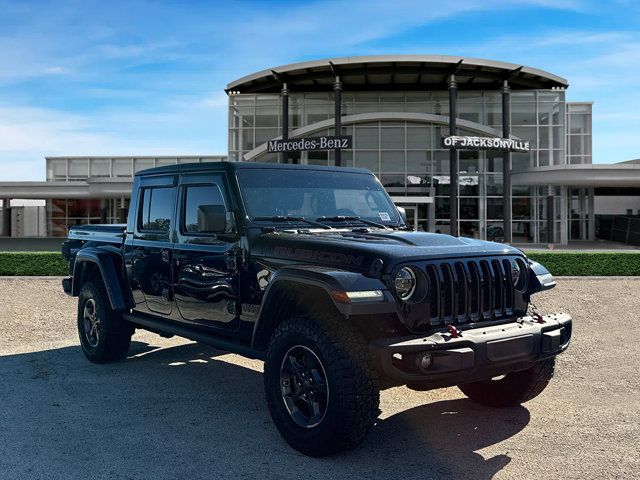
column 158, row 326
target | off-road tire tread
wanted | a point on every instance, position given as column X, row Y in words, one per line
column 345, row 352
column 516, row 388
column 116, row 339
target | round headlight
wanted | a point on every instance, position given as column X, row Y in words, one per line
column 405, row 283
column 518, row 275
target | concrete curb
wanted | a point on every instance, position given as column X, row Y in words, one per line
column 602, row 277
column 33, row 277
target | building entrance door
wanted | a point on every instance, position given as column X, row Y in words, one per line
column 412, row 215
column 419, row 209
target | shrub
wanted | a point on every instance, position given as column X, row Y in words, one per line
column 558, row 263
column 589, row 263
column 32, row 264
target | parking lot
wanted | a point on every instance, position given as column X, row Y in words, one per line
column 175, row 409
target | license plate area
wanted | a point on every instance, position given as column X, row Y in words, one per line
column 510, row 348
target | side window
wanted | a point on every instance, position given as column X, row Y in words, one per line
column 156, row 210
column 198, row 200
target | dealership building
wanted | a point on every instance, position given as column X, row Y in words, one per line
column 394, row 111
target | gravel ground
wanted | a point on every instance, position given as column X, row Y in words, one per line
column 175, row 409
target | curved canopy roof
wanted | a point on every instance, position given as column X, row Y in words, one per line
column 396, row 72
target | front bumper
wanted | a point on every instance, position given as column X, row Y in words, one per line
column 66, row 285
column 477, row 354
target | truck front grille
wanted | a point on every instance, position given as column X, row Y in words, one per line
column 469, row 290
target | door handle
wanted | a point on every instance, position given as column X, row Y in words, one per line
column 165, row 256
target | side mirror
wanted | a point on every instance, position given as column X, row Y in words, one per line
column 403, row 214
column 212, row 219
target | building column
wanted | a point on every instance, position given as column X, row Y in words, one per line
column 591, row 214
column 506, row 163
column 431, row 210
column 285, row 120
column 6, row 218
column 122, row 212
column 103, row 210
column 337, row 89
column 551, row 215
column 582, row 214
column 564, row 208
column 453, row 157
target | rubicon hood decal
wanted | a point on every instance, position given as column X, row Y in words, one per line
column 318, row 256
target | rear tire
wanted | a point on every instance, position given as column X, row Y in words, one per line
column 320, row 385
column 514, row 388
column 104, row 335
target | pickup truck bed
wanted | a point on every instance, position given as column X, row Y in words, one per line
column 98, row 233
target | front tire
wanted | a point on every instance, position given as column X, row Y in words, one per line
column 104, row 335
column 514, row 388
column 320, row 386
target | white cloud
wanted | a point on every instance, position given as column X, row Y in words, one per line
column 56, row 70
column 180, row 110
column 27, row 135
column 217, row 100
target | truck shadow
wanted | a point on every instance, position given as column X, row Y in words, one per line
column 189, row 411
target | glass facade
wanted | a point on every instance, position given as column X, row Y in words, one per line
column 579, row 133
column 407, row 157
column 63, row 213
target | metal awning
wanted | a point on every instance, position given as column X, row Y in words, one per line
column 91, row 188
column 583, row 176
column 396, row 72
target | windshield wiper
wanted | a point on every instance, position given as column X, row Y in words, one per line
column 286, row 218
column 343, row 218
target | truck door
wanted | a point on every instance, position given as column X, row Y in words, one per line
column 152, row 242
column 205, row 265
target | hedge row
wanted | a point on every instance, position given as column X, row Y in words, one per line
column 558, row 263
column 32, row 264
column 583, row 264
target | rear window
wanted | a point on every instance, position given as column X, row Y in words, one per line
column 156, row 211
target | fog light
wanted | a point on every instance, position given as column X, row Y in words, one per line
column 425, row 360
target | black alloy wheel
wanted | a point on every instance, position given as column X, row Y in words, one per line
column 91, row 323
column 304, row 386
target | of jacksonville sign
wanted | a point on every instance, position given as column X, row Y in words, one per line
column 457, row 142
column 310, row 143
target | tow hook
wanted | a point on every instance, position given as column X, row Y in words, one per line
column 538, row 318
column 455, row 333
column 535, row 313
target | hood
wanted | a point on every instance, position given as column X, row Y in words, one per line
column 356, row 250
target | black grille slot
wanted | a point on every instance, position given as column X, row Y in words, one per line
column 498, row 290
column 448, row 293
column 434, row 295
column 474, row 292
column 486, row 286
column 462, row 290
column 470, row 290
column 510, row 289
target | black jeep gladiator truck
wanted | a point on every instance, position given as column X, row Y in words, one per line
column 314, row 271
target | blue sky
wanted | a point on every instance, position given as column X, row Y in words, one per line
column 136, row 77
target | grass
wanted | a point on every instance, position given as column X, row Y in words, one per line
column 558, row 263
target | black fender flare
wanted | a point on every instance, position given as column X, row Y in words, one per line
column 540, row 278
column 103, row 259
column 329, row 280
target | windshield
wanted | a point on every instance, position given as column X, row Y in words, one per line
column 314, row 194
